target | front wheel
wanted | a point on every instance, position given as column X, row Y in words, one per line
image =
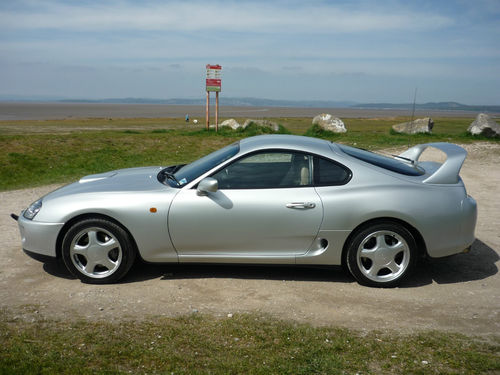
column 382, row 255
column 98, row 251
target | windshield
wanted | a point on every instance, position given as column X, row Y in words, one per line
column 382, row 161
column 191, row 171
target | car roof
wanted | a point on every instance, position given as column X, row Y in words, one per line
column 285, row 141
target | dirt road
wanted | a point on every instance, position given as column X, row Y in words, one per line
column 461, row 293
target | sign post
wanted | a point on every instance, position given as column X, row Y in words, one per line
column 207, row 111
column 216, row 111
column 213, row 83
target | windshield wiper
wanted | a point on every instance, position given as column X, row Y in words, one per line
column 172, row 177
column 169, row 173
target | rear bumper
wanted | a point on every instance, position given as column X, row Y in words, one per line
column 38, row 237
column 464, row 236
column 469, row 219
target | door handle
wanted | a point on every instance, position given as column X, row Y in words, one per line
column 301, row 205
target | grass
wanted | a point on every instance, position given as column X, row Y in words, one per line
column 35, row 153
column 243, row 344
column 52, row 158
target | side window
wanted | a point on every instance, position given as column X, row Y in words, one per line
column 266, row 170
column 327, row 173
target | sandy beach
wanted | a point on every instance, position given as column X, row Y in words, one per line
column 12, row 111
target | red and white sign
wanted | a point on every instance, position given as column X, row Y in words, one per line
column 213, row 81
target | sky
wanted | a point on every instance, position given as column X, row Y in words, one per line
column 359, row 50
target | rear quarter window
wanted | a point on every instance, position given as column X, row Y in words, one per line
column 328, row 173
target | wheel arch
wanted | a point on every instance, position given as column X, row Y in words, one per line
column 421, row 246
column 85, row 216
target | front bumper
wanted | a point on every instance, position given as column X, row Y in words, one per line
column 39, row 237
column 40, row 257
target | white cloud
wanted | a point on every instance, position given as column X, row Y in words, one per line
column 201, row 16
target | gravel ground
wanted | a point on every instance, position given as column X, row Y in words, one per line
column 460, row 293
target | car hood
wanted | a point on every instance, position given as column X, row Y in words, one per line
column 122, row 180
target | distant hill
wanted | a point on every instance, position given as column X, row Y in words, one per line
column 262, row 102
column 443, row 106
column 228, row 101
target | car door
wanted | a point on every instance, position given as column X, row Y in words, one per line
column 265, row 210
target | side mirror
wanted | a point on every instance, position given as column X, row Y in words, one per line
column 207, row 185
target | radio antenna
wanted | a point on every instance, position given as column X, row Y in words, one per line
column 412, row 115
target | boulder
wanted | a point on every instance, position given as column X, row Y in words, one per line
column 232, row 123
column 419, row 125
column 263, row 123
column 327, row 122
column 484, row 125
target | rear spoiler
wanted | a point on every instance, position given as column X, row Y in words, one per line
column 448, row 172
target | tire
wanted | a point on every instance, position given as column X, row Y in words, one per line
column 98, row 251
column 382, row 255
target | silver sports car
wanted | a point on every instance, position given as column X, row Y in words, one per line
column 275, row 199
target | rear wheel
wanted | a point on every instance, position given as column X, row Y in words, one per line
column 98, row 251
column 382, row 254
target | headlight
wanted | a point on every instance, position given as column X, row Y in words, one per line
column 32, row 210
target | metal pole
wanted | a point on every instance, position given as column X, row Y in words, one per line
column 216, row 111
column 207, row 111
